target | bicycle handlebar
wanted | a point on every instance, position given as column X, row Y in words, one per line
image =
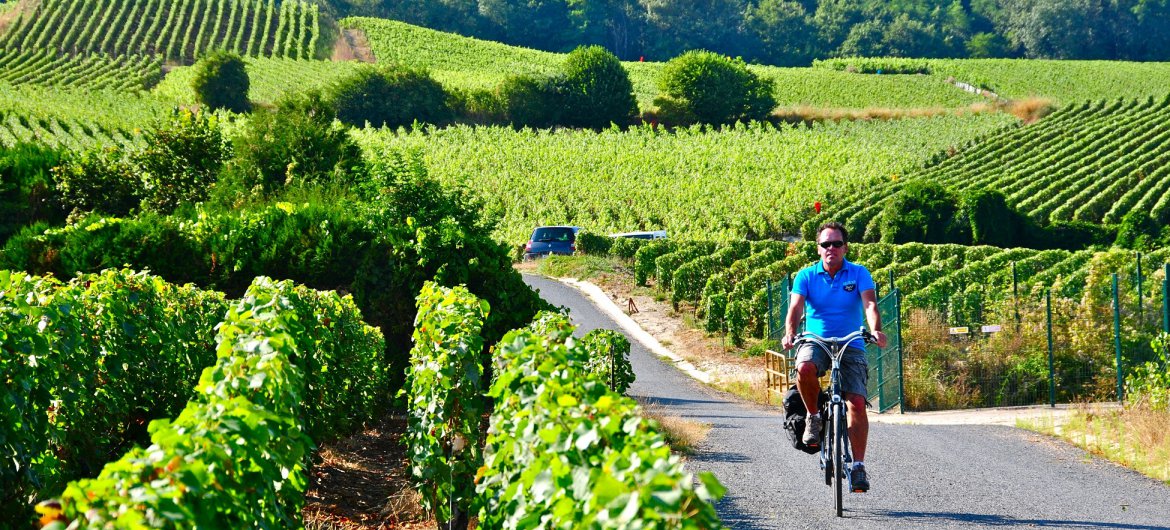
column 859, row 334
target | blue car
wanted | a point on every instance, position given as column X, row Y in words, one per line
column 548, row 240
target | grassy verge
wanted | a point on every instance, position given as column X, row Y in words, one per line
column 580, row 267
column 1134, row 437
column 682, row 435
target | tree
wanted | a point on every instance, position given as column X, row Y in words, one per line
column 615, row 24
column 598, row 90
column 987, row 45
column 714, row 89
column 674, row 26
column 864, row 40
column 1057, row 29
column 221, row 82
column 782, row 29
column 298, row 143
column 534, row 23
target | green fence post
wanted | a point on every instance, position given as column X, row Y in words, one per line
column 768, row 291
column 1117, row 336
column 1016, row 295
column 1166, row 300
column 1052, row 364
column 901, row 368
column 1141, row 312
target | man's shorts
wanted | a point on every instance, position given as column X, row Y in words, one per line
column 854, row 367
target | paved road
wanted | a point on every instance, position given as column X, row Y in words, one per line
column 942, row 476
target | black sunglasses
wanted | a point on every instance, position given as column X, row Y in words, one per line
column 837, row 243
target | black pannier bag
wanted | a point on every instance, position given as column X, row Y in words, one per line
column 794, row 414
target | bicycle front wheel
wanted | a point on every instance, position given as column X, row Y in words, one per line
column 840, row 432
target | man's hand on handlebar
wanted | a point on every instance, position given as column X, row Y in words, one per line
column 788, row 341
column 879, row 338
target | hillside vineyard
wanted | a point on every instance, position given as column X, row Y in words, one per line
column 175, row 30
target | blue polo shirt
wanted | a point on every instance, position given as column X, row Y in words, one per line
column 833, row 306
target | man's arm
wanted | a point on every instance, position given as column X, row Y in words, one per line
column 795, row 313
column 873, row 316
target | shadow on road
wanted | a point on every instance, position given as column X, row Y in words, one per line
column 733, row 516
column 926, row 518
column 677, row 402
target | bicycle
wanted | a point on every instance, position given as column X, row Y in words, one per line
column 835, row 452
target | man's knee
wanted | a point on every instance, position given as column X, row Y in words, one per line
column 806, row 369
column 856, row 402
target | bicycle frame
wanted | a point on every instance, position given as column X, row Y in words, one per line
column 836, row 458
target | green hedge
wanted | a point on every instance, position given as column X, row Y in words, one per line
column 445, row 403
column 236, row 456
column 644, row 266
column 382, row 253
column 609, row 359
column 563, row 451
column 99, row 357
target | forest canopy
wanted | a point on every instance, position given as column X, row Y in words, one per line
column 795, row 32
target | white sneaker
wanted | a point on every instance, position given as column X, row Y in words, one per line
column 812, row 430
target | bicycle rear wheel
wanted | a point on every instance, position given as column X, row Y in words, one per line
column 839, row 434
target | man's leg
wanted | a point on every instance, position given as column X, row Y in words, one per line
column 858, row 426
column 810, row 361
column 808, row 386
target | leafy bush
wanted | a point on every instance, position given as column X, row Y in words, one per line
column 413, row 231
column 626, row 247
column 257, row 400
column 598, row 90
column 298, row 143
column 564, row 450
column 923, row 212
column 609, row 359
column 221, row 82
column 992, row 220
column 99, row 180
column 392, row 97
column 645, row 257
column 1138, row 231
column 182, row 160
column 1073, row 235
column 28, row 192
column 714, row 88
column 445, row 406
column 105, row 354
column 1149, row 383
column 591, row 243
column 535, row 102
column 483, row 107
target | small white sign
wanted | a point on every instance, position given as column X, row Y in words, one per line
column 959, row 331
column 992, row 329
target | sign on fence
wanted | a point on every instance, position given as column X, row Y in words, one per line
column 962, row 330
column 992, row 329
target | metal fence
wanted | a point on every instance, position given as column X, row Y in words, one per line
column 885, row 364
column 985, row 347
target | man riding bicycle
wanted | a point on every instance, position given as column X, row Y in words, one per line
column 837, row 294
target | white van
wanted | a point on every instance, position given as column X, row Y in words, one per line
column 651, row 234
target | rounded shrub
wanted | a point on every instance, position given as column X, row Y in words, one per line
column 593, row 243
column 298, row 143
column 182, row 160
column 393, row 97
column 714, row 89
column 221, row 82
column 532, row 101
column 597, row 88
